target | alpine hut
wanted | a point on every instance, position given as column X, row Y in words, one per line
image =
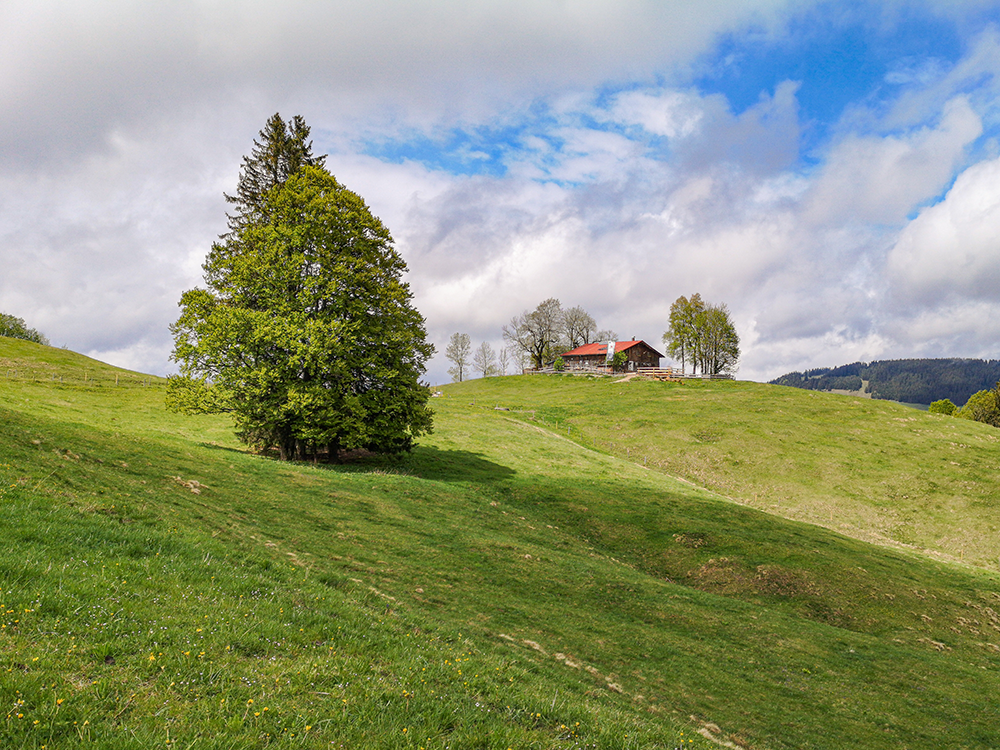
column 596, row 355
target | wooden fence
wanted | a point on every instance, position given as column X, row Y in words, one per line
column 673, row 373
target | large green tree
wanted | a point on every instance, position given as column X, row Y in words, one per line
column 681, row 338
column 16, row 328
column 718, row 345
column 306, row 333
column 703, row 335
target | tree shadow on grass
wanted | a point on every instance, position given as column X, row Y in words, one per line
column 455, row 465
column 431, row 463
column 423, row 461
column 228, row 448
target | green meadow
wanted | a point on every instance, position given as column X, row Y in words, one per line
column 875, row 470
column 564, row 563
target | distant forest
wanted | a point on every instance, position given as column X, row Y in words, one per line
column 912, row 381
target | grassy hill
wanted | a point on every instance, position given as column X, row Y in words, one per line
column 502, row 586
column 874, row 470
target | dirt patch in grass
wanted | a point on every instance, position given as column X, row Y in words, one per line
column 723, row 576
column 775, row 580
column 726, row 576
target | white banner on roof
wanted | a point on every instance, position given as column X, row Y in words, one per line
column 611, row 351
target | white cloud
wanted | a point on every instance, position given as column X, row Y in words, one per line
column 122, row 124
column 838, row 346
column 672, row 114
column 70, row 73
column 97, row 256
column 881, row 179
column 762, row 140
column 951, row 251
column 589, row 155
column 932, row 85
column 741, row 229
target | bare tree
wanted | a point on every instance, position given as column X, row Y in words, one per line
column 538, row 333
column 579, row 327
column 606, row 335
column 503, row 360
column 485, row 360
column 458, row 350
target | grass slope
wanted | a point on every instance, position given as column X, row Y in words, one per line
column 874, row 470
column 500, row 587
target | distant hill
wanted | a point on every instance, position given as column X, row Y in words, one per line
column 910, row 381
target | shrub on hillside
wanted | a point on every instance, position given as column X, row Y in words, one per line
column 619, row 362
column 983, row 406
column 16, row 328
column 944, row 406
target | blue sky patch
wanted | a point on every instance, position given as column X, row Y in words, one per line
column 839, row 54
column 478, row 151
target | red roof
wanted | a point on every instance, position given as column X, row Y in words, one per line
column 601, row 348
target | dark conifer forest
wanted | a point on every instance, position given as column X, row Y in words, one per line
column 911, row 381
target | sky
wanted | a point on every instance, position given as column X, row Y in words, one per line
column 828, row 170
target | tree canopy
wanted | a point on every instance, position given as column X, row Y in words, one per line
column 619, row 361
column 16, row 328
column 579, row 327
column 983, row 406
column 681, row 338
column 306, row 333
column 912, row 381
column 503, row 360
column 717, row 345
column 282, row 149
column 942, row 406
column 702, row 335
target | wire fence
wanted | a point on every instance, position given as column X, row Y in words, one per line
column 77, row 376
